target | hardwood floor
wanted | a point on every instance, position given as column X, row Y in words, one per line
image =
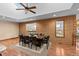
column 9, row 42
column 54, row 50
column 62, row 50
column 11, row 51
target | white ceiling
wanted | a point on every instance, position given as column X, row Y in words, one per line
column 9, row 10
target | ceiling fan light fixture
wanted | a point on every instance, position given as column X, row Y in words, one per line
column 27, row 8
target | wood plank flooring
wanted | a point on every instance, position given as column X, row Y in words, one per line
column 54, row 50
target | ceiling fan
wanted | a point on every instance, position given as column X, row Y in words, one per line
column 27, row 8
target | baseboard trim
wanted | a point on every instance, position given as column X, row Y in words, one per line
column 10, row 38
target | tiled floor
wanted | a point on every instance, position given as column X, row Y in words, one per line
column 54, row 50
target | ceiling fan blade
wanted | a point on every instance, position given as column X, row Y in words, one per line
column 31, row 11
column 33, row 7
column 23, row 5
column 20, row 9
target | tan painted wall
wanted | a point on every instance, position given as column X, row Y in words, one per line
column 8, row 30
column 48, row 26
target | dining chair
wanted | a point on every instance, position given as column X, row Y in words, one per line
column 32, row 41
column 21, row 39
column 26, row 40
column 46, row 41
column 37, row 43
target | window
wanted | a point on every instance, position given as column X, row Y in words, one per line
column 77, row 29
column 59, row 28
column 31, row 28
